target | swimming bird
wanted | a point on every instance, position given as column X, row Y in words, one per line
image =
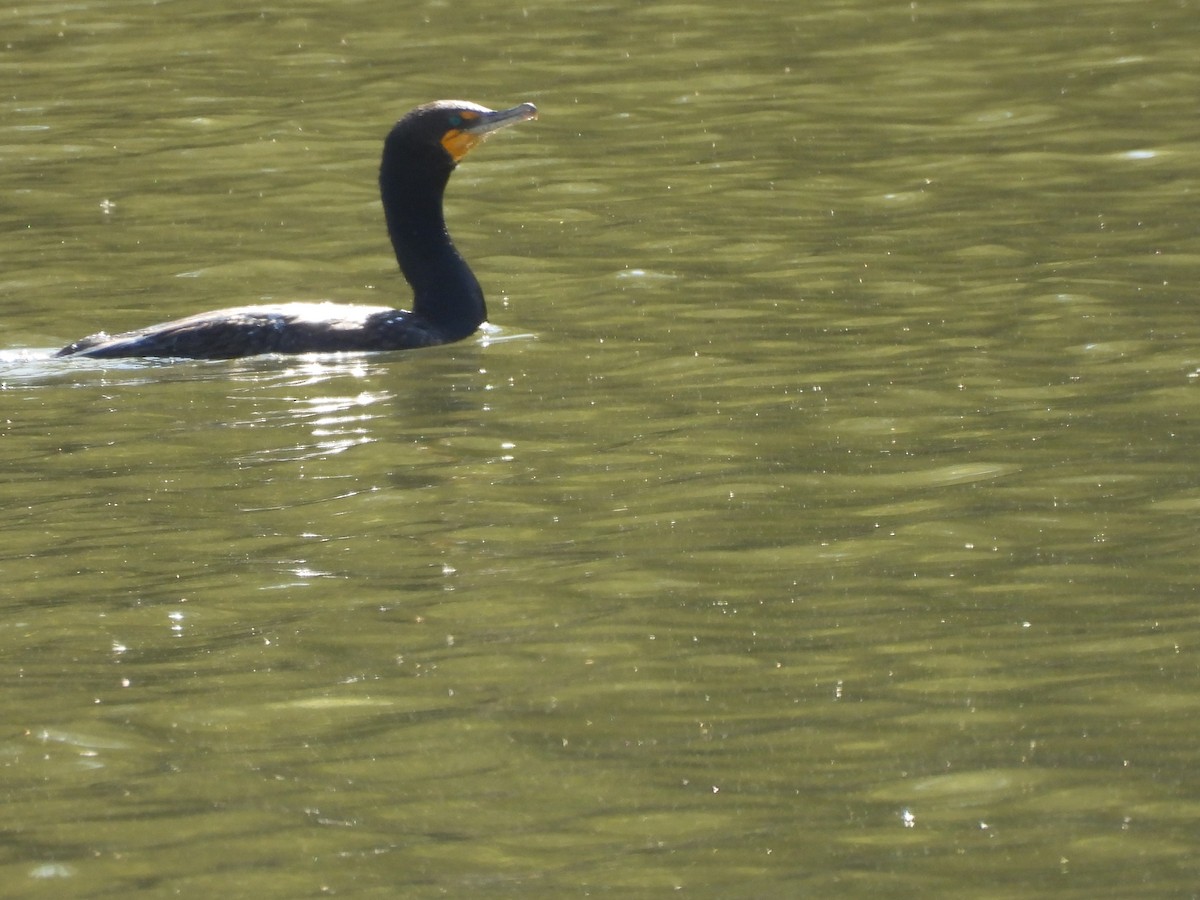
column 419, row 154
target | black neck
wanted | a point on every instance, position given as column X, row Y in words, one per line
column 445, row 291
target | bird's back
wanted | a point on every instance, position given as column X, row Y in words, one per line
column 272, row 328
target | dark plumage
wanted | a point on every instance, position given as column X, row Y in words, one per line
column 418, row 156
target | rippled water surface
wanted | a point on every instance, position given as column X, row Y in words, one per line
column 818, row 517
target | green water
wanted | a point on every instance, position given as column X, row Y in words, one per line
column 818, row 519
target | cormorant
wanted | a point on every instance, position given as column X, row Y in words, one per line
column 418, row 156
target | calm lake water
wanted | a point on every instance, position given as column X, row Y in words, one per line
column 819, row 518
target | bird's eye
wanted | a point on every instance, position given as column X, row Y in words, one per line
column 455, row 120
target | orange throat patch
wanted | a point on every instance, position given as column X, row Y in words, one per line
column 459, row 143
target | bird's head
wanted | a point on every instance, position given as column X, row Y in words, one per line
column 458, row 125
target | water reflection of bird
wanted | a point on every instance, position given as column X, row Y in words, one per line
column 418, row 156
